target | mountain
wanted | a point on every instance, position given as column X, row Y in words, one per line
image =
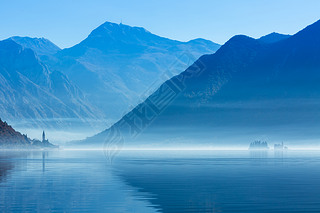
column 10, row 137
column 40, row 46
column 31, row 95
column 117, row 65
column 249, row 89
column 91, row 84
column 273, row 37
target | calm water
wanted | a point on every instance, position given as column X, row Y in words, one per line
column 154, row 181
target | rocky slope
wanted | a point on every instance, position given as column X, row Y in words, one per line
column 10, row 137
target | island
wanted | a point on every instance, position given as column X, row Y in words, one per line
column 259, row 145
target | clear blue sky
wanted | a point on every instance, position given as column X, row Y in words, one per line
column 67, row 22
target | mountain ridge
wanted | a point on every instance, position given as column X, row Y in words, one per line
column 246, row 89
column 29, row 90
column 98, row 79
column 273, row 37
column 126, row 63
column 41, row 46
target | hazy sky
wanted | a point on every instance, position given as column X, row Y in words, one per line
column 67, row 22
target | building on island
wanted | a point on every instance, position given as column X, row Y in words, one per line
column 44, row 140
column 280, row 146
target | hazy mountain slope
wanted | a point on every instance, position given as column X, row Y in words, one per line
column 41, row 46
column 247, row 90
column 118, row 65
column 30, row 91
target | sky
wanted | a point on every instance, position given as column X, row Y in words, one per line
column 67, row 22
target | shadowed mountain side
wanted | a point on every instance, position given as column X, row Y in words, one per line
column 273, row 37
column 247, row 89
column 183, row 95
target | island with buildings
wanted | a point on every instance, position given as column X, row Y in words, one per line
column 280, row 146
column 263, row 145
column 259, row 145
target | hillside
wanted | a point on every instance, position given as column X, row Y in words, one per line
column 247, row 90
column 10, row 137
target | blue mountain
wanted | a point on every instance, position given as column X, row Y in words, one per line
column 273, row 37
column 249, row 89
column 117, row 65
column 40, row 46
column 98, row 79
column 31, row 95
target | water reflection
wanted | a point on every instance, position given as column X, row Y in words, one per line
column 71, row 181
column 5, row 167
column 44, row 154
column 280, row 154
column 256, row 183
column 259, row 153
column 58, row 181
column 7, row 164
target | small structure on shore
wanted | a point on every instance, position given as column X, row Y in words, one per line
column 44, row 141
column 259, row 145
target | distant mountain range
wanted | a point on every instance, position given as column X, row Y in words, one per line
column 100, row 78
column 250, row 89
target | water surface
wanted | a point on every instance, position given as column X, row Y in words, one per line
column 160, row 181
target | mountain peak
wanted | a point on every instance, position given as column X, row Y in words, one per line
column 273, row 37
column 41, row 46
column 123, row 26
column 110, row 36
column 238, row 42
column 240, row 39
column 109, row 29
column 202, row 41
